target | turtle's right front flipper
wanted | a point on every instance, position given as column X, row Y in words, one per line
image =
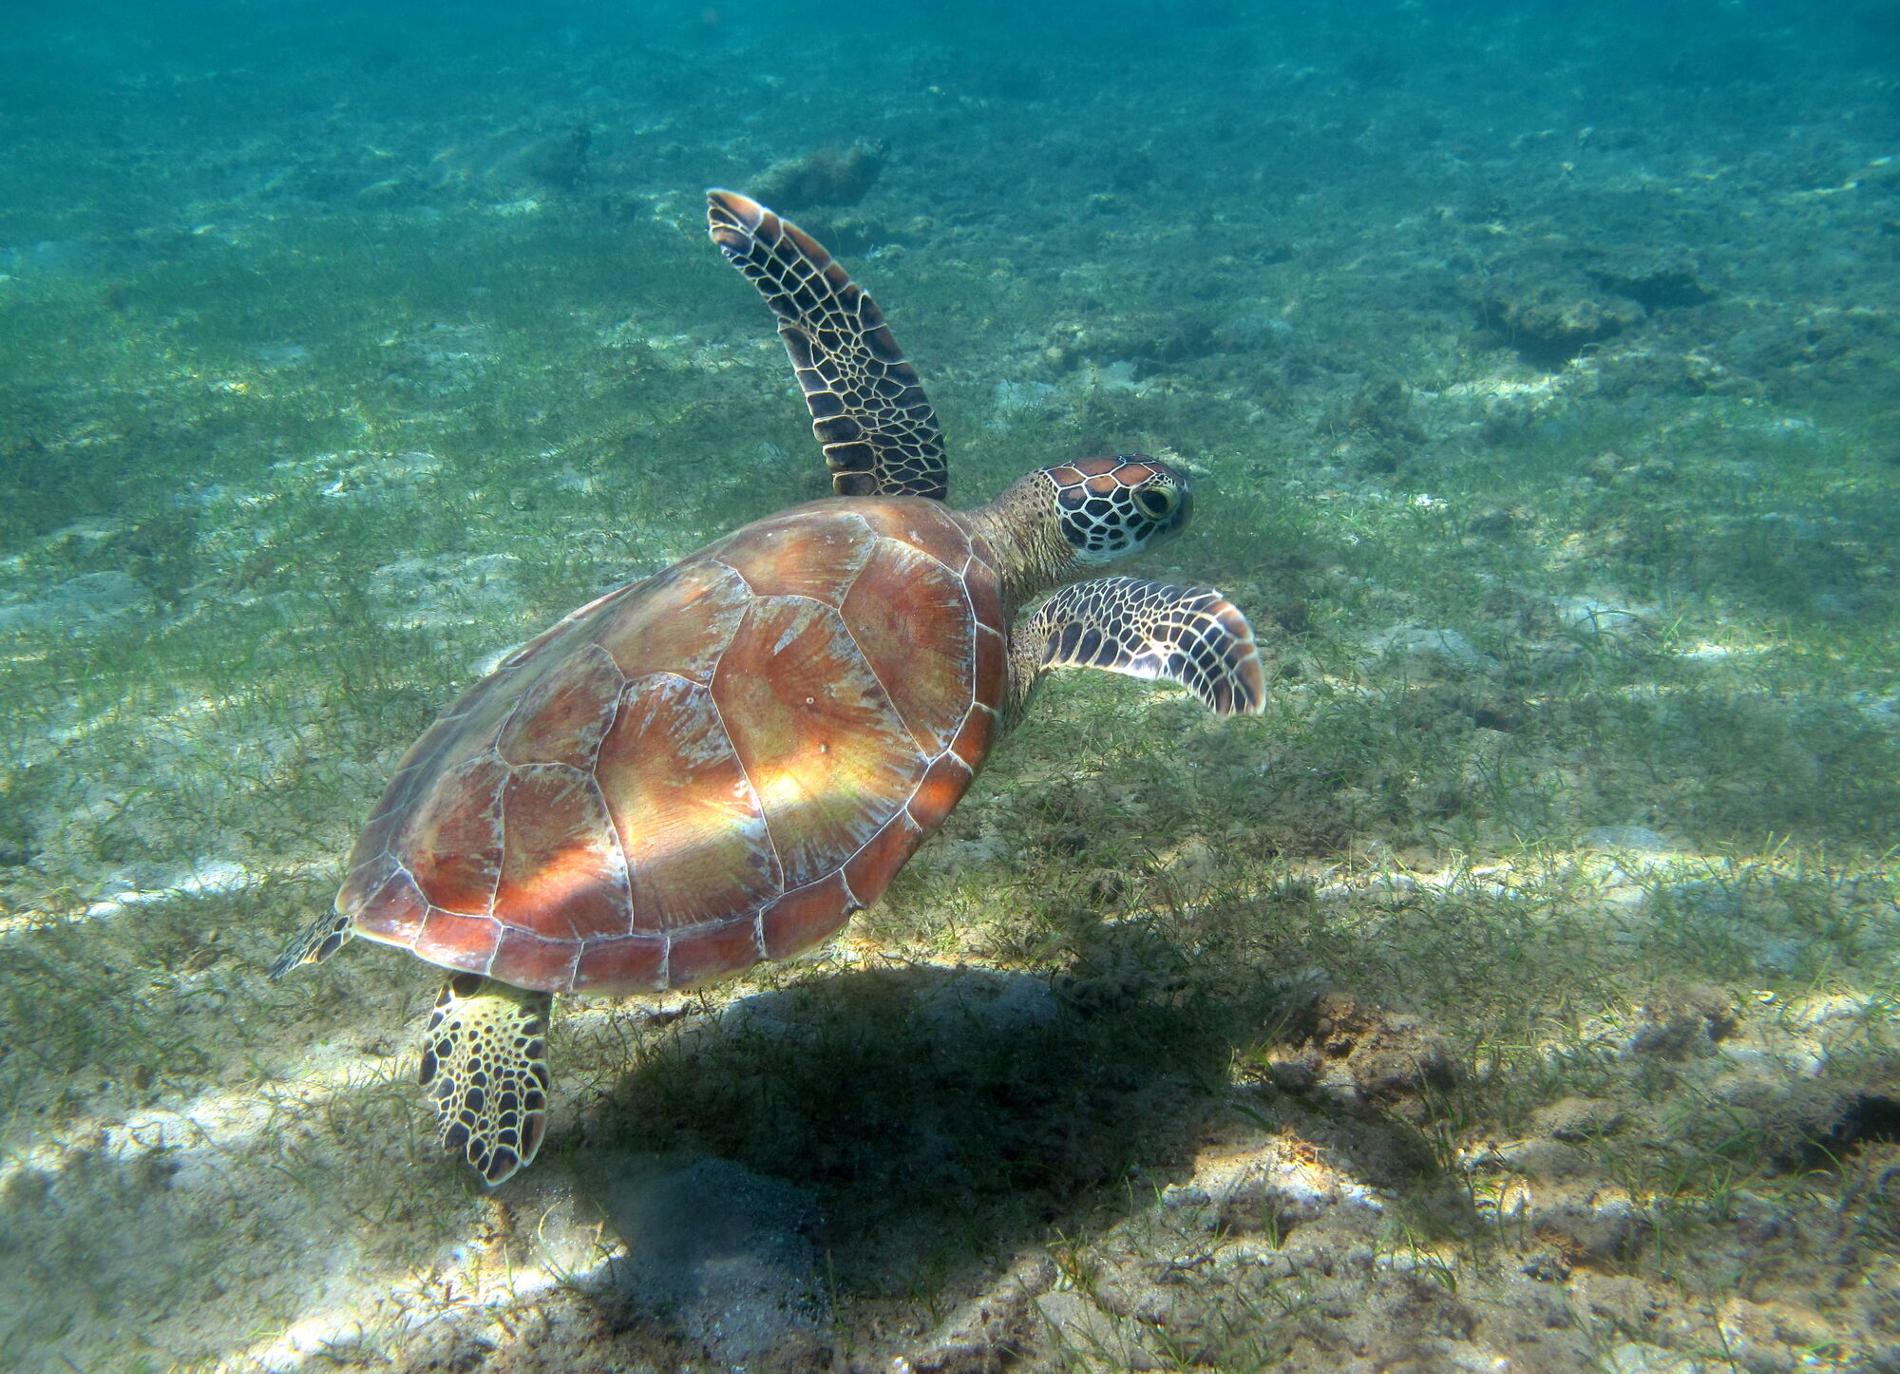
column 871, row 416
column 1190, row 635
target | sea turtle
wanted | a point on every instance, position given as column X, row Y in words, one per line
column 720, row 763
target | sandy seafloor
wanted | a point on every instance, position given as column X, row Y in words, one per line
column 1518, row 993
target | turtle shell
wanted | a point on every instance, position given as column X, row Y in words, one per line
column 711, row 767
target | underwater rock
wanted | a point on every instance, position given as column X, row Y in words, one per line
column 830, row 176
column 559, row 162
column 1779, row 957
column 1368, row 1056
column 1655, row 280
column 1637, row 1357
column 1594, row 619
column 1375, row 430
column 1574, row 1119
column 718, row 1250
column 1601, row 1229
column 1681, row 1023
column 1551, row 323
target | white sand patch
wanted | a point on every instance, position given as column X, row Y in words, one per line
column 207, row 877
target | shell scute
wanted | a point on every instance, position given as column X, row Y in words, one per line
column 380, row 888
column 680, row 622
column 687, row 819
column 799, row 553
column 941, row 788
column 701, row 956
column 459, row 942
column 991, row 668
column 631, row 963
column 805, row 917
column 973, row 741
column 985, row 588
column 452, row 841
column 528, row 960
column 871, row 869
column 562, row 715
column 921, row 523
column 911, row 619
column 816, row 733
column 562, row 872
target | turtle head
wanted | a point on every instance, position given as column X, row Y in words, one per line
column 1062, row 522
column 1108, row 508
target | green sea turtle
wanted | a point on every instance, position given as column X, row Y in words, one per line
column 720, row 763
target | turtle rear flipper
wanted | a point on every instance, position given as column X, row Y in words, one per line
column 871, row 416
column 485, row 1063
column 315, row 942
column 1190, row 635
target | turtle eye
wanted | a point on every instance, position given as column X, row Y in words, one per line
column 1157, row 503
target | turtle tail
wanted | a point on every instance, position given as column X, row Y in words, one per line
column 315, row 943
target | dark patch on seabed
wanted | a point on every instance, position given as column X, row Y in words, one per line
column 1520, row 988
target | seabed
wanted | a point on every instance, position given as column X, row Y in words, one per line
column 1518, row 993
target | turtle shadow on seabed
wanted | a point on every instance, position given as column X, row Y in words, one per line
column 882, row 1133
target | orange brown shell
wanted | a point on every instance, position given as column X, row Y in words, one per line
column 711, row 767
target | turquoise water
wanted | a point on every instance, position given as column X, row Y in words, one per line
column 1521, row 985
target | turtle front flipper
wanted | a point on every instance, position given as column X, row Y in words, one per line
column 872, row 419
column 485, row 1063
column 1191, row 635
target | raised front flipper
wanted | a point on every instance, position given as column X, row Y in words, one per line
column 871, row 417
column 1190, row 635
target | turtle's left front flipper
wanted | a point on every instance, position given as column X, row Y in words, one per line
column 485, row 1063
column 1190, row 635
